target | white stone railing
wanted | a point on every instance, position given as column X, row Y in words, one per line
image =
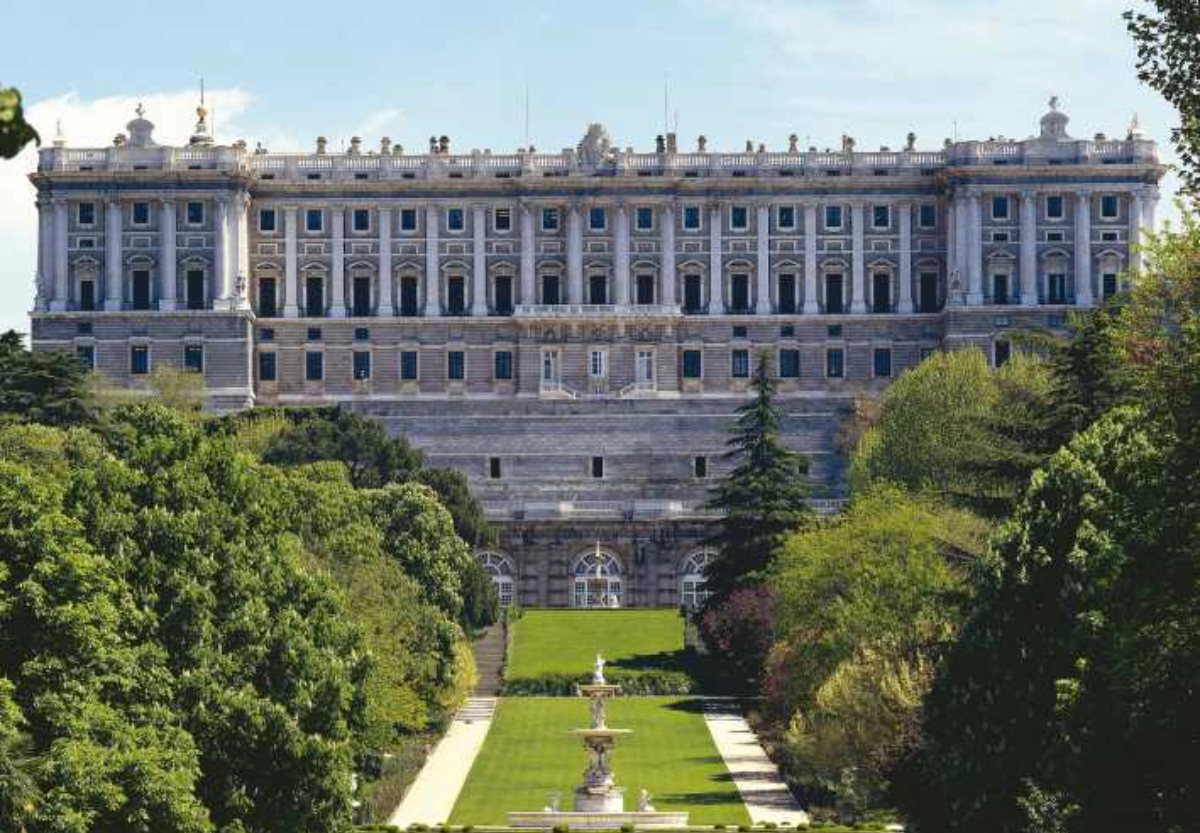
column 595, row 310
column 477, row 163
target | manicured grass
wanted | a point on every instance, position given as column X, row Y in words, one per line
column 530, row 753
column 567, row 641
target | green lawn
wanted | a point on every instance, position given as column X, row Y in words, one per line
column 566, row 641
column 530, row 753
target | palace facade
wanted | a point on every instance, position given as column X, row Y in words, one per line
column 574, row 330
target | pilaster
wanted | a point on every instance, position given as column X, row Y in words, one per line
column 1029, row 296
column 762, row 295
column 59, row 256
column 168, row 260
column 528, row 290
column 114, row 270
column 621, row 258
column 385, row 262
column 811, row 303
column 575, row 293
column 1083, row 249
column 974, row 251
column 716, row 266
column 479, row 307
column 290, row 288
column 433, row 304
column 667, row 261
column 858, row 304
column 904, row 209
column 337, row 275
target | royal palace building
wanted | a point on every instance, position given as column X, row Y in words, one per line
column 574, row 330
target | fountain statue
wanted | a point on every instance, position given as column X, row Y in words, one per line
column 599, row 802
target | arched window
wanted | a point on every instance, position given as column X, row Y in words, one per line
column 693, row 579
column 500, row 568
column 597, row 580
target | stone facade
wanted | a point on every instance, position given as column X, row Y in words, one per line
column 574, row 330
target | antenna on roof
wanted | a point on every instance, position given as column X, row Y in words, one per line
column 666, row 103
column 526, row 112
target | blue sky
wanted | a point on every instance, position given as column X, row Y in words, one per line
column 284, row 73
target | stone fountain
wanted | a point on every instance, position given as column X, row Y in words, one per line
column 599, row 802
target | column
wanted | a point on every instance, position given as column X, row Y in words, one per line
column 762, row 300
column 290, row 290
column 716, row 266
column 621, row 258
column 975, row 252
column 811, row 292
column 962, row 258
column 1029, row 296
column 479, row 306
column 385, row 263
column 1083, row 249
column 667, row 260
column 574, row 255
column 528, row 279
column 59, row 256
column 168, row 259
column 113, row 284
column 858, row 304
column 242, row 251
column 221, row 255
column 951, row 242
column 337, row 276
column 906, row 294
column 433, row 304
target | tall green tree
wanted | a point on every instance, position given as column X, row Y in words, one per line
column 15, row 132
column 1168, row 49
column 373, row 458
column 46, row 387
column 762, row 499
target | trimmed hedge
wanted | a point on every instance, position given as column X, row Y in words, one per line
column 636, row 683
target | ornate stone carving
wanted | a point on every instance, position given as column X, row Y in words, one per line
column 595, row 146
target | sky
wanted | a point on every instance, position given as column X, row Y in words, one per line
column 284, row 73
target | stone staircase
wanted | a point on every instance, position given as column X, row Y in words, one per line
column 489, row 652
column 476, row 709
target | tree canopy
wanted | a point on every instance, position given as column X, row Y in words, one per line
column 47, row 386
column 15, row 132
column 762, row 499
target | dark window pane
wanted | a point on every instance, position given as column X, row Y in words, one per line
column 789, row 364
column 314, row 366
column 692, row 364
column 141, row 289
column 833, row 364
column 266, row 367
column 883, row 362
column 455, row 365
column 362, row 219
column 193, row 358
column 139, row 360
column 787, row 293
column 266, row 297
column 408, row 365
column 362, row 365
column 266, row 219
column 740, row 364
column 503, row 360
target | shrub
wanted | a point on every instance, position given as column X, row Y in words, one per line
column 636, row 683
column 626, row 828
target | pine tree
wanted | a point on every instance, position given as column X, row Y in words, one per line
column 763, row 498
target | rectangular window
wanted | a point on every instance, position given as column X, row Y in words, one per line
column 456, row 295
column 195, row 213
column 314, row 366
column 502, row 365
column 362, row 219
column 550, row 289
column 362, row 334
column 494, row 468
column 456, row 365
column 597, row 219
column 193, row 358
column 141, row 213
column 644, row 219
column 739, row 218
column 881, row 292
column 881, row 216
column 691, row 217
column 85, row 213
column 1109, row 208
column 645, row 288
column 692, row 364
column 1000, row 289
column 1108, row 284
column 1054, row 237
column 927, row 216
column 999, row 208
column 141, row 289
column 549, row 219
column 266, row 219
column 882, row 363
column 740, row 364
column 1001, row 352
column 314, row 297
column 597, row 289
column 787, row 293
column 266, row 367
column 834, row 363
column 362, row 365
column 597, row 467
column 502, row 219
column 408, row 365
column 999, row 236
column 360, row 301
column 87, row 357
column 1054, row 207
column 739, row 291
column 786, row 217
column 596, row 364
column 408, row 219
column 454, row 219
column 929, row 291
column 833, row 216
column 408, row 297
column 740, row 331
column 693, row 294
column 195, row 289
column 313, row 219
column 503, row 295
column 313, row 334
column 833, row 294
column 1057, row 288
column 789, row 364
column 139, row 360
column 700, row 466
column 87, row 295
